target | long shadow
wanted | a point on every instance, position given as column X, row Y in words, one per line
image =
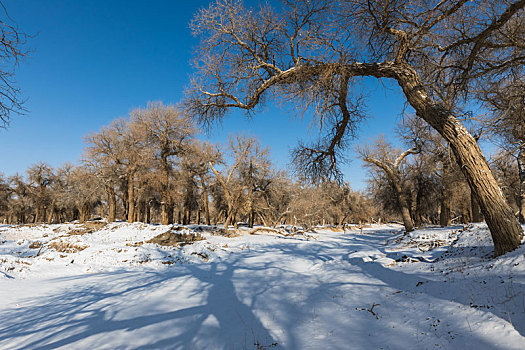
column 63, row 320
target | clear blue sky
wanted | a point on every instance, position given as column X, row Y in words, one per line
column 94, row 61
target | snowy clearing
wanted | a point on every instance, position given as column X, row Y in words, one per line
column 75, row 286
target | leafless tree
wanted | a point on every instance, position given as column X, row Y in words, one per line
column 240, row 147
column 167, row 132
column 13, row 48
column 505, row 98
column 382, row 155
column 315, row 53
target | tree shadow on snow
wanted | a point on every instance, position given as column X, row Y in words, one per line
column 219, row 320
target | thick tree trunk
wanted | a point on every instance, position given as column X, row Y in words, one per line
column 251, row 219
column 148, row 213
column 445, row 212
column 476, row 212
column 403, row 206
column 504, row 227
column 505, row 230
column 227, row 222
column 521, row 170
column 444, row 215
column 112, row 203
column 166, row 213
column 131, row 198
column 51, row 212
column 84, row 213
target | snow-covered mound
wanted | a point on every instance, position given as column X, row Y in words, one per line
column 107, row 286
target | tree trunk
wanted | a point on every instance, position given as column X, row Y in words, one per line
column 206, row 203
column 112, row 203
column 444, row 215
column 131, row 198
column 148, row 213
column 504, row 227
column 445, row 212
column 51, row 212
column 166, row 212
column 521, row 170
column 476, row 212
column 403, row 206
column 229, row 218
column 84, row 213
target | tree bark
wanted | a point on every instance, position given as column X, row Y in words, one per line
column 84, row 213
column 476, row 212
column 51, row 212
column 444, row 215
column 112, row 203
column 166, row 212
column 403, row 208
column 131, row 198
column 521, row 170
column 505, row 230
column 445, row 212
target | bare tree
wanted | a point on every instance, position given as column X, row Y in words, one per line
column 314, row 52
column 40, row 177
column 118, row 152
column 167, row 132
column 13, row 42
column 390, row 161
column 240, row 146
column 506, row 99
column 196, row 162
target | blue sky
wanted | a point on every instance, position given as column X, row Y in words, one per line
column 94, row 61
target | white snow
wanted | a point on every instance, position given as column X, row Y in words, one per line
column 435, row 288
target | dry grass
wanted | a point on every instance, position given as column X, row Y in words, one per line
column 87, row 227
column 35, row 245
column 171, row 238
column 225, row 233
column 66, row 247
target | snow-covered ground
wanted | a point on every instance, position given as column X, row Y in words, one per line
column 72, row 287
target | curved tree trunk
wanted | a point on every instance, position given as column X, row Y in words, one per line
column 505, row 230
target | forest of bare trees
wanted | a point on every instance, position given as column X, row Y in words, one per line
column 448, row 57
column 150, row 167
